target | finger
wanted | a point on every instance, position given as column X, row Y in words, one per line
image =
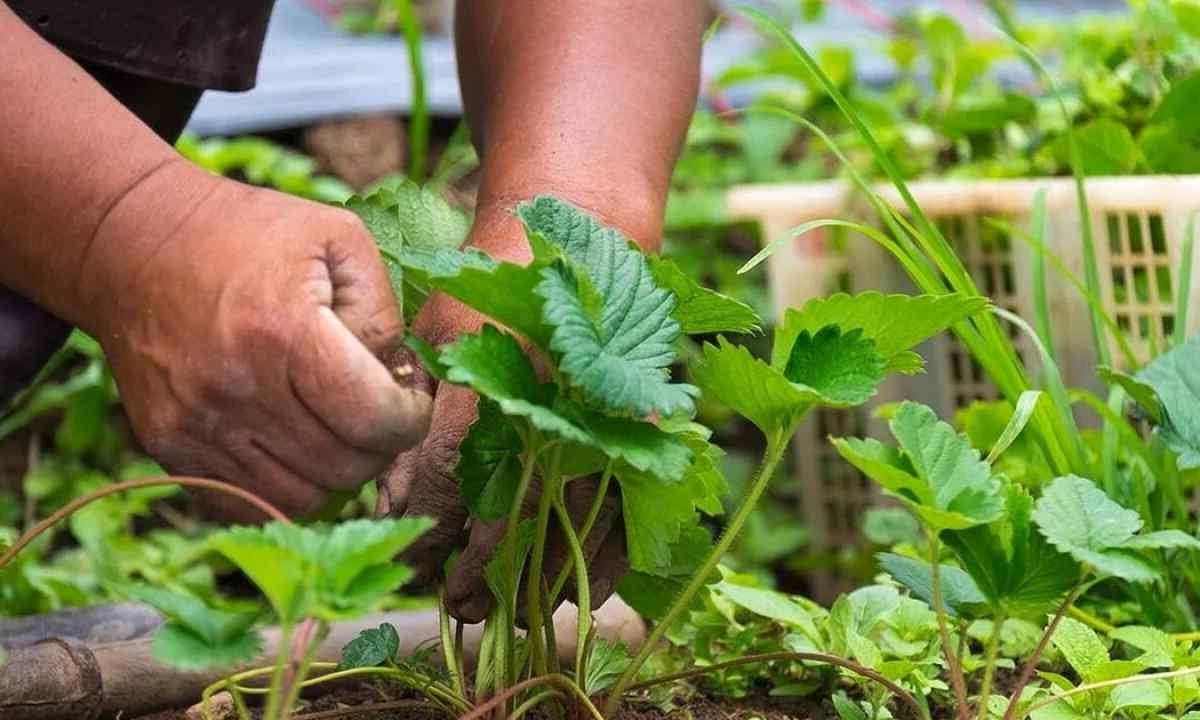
column 362, row 293
column 467, row 594
column 340, row 382
column 306, row 447
column 433, row 491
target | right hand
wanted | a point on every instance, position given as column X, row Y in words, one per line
column 245, row 330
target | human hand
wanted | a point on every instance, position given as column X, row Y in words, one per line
column 423, row 481
column 244, row 328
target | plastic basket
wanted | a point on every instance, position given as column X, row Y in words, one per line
column 1139, row 225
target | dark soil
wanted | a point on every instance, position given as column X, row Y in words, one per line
column 354, row 703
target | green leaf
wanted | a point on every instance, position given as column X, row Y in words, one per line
column 699, row 310
column 1175, row 379
column 281, row 573
column 844, row 368
column 651, row 595
column 895, row 322
column 1014, row 567
column 618, row 358
column 177, row 646
column 1158, row 648
column 1149, row 694
column 1163, row 540
column 753, row 389
column 489, row 463
column 505, row 292
column 328, row 573
column 1081, row 648
column 617, row 354
column 959, row 591
column 656, row 516
column 1080, row 520
column 1026, row 405
column 770, row 604
column 493, row 364
column 935, row 471
column 1141, row 393
column 425, row 218
column 373, row 647
column 1106, row 147
column 605, row 665
column 196, row 636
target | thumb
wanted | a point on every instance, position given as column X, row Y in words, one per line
column 356, row 396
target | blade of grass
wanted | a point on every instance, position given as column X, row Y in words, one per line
column 1091, row 266
column 419, row 120
column 804, row 229
column 1076, row 284
column 1041, row 305
column 1183, row 300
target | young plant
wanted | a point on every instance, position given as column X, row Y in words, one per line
column 1015, row 558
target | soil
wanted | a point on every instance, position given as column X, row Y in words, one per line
column 345, row 701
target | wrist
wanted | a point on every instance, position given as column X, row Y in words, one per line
column 631, row 203
column 137, row 227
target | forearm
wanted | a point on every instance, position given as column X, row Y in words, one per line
column 71, row 153
column 586, row 99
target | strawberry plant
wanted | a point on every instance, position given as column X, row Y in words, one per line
column 603, row 322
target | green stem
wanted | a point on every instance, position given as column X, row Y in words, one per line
column 1010, row 713
column 533, row 702
column 776, row 445
column 583, row 596
column 953, row 665
column 433, row 689
column 294, row 679
column 506, row 647
column 447, row 637
column 536, row 637
column 1106, row 684
column 989, row 670
column 488, row 660
column 274, row 694
column 561, row 681
column 585, row 530
column 419, row 121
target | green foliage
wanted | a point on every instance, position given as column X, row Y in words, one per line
column 699, row 309
column 373, row 647
column 1169, row 391
column 327, row 574
column 613, row 331
column 1080, row 520
column 195, row 636
column 934, row 471
column 262, row 162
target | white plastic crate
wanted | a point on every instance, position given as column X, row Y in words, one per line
column 1138, row 225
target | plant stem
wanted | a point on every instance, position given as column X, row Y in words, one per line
column 419, row 122
column 1097, row 624
column 536, row 637
column 453, row 666
column 953, row 665
column 506, row 654
column 562, row 681
column 313, row 633
column 1131, row 680
column 205, row 483
column 989, row 670
column 776, row 444
column 271, row 712
column 583, row 596
column 1031, row 664
column 850, row 665
column 534, row 702
column 585, row 530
